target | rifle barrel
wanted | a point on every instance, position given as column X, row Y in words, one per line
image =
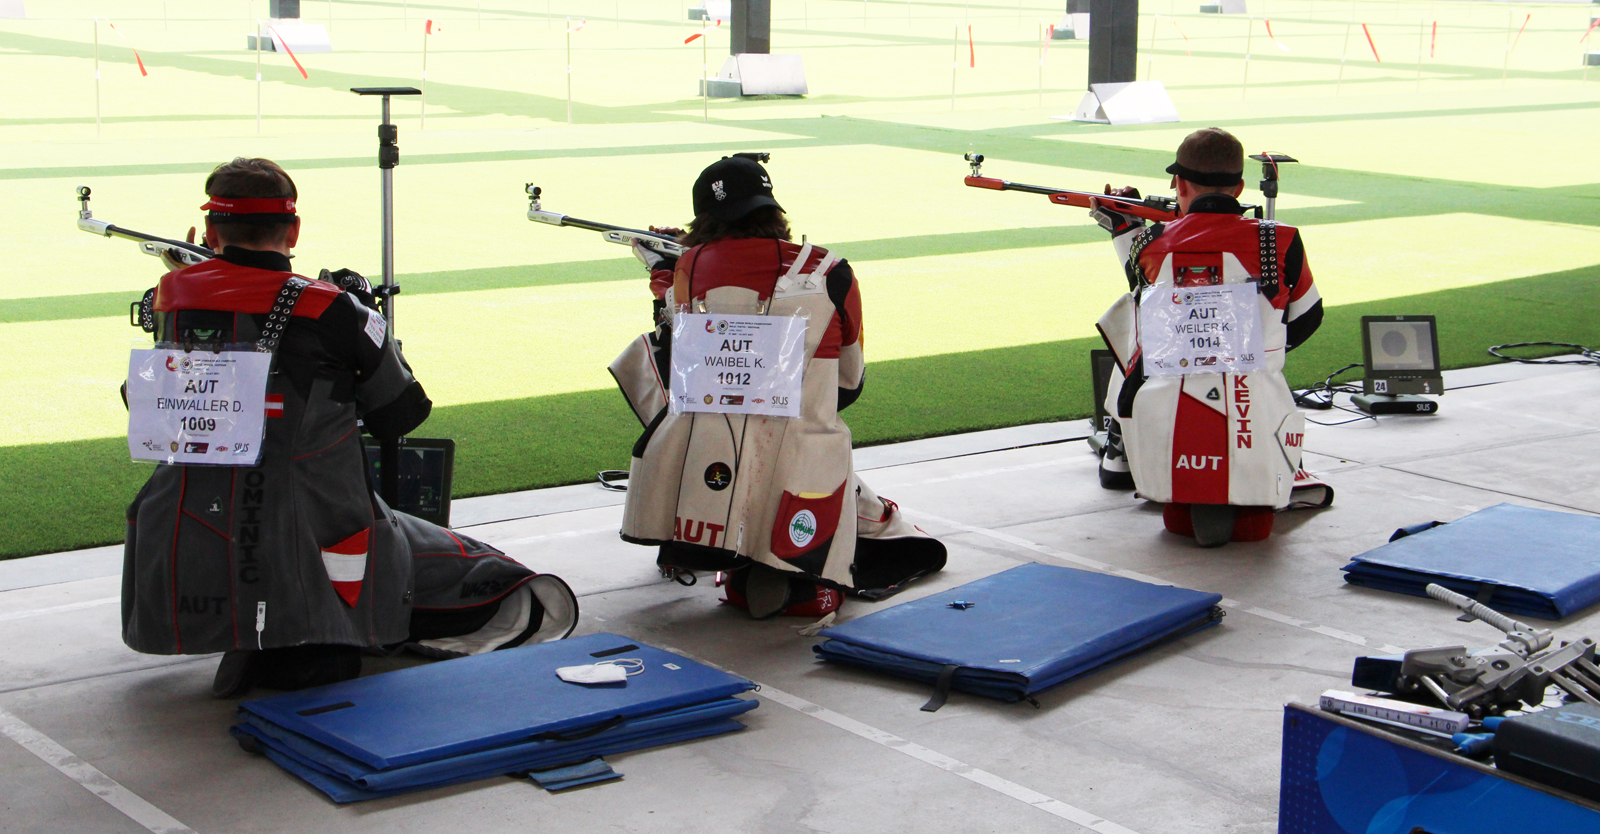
column 110, row 230
column 1149, row 209
column 607, row 227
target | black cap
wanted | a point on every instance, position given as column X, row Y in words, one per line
column 732, row 188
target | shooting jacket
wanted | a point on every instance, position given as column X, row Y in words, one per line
column 1213, row 438
column 718, row 491
column 296, row 549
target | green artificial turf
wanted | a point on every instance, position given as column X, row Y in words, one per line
column 68, row 495
column 1455, row 161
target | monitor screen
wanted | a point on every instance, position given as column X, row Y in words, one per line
column 1401, row 345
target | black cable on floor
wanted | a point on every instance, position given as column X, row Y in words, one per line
column 1319, row 397
column 1586, row 356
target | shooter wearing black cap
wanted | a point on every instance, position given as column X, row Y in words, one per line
column 745, row 466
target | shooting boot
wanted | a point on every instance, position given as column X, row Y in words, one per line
column 1213, row 523
column 236, row 674
column 1114, row 470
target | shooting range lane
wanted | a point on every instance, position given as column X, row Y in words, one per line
column 877, row 123
column 1119, row 744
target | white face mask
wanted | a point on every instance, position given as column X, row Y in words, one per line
column 609, row 671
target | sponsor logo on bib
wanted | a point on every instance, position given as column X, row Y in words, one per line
column 802, row 528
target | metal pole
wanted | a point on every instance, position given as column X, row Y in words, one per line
column 1041, row 63
column 96, row 24
column 955, row 55
column 568, row 71
column 388, row 135
column 388, row 157
column 1150, row 54
column 1249, row 38
column 705, row 70
column 1343, row 55
column 388, row 138
column 1505, row 68
column 1422, row 38
column 258, row 77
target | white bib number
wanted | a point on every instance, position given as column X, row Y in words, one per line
column 1192, row 330
column 197, row 407
column 729, row 364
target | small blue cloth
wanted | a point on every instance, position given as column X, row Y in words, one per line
column 1026, row 629
column 1531, row 563
column 571, row 776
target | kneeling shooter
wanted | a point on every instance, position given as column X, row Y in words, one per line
column 258, row 534
column 1216, row 300
column 745, row 465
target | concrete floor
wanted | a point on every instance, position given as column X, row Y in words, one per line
column 1184, row 738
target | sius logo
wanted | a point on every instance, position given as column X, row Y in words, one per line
column 1589, row 721
column 802, row 528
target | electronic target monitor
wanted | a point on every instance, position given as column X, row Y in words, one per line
column 1401, row 355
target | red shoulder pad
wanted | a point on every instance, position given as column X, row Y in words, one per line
column 219, row 285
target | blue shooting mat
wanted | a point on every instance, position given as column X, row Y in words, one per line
column 1537, row 563
column 1028, row 629
column 343, row 780
column 494, row 713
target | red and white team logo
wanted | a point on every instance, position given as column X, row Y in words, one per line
column 346, row 563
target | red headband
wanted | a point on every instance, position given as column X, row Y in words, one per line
column 250, row 205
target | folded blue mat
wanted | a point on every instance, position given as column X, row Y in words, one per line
column 574, row 775
column 1027, row 629
column 1536, row 563
column 506, row 711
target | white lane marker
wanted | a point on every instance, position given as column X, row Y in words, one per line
column 90, row 778
column 1005, row 787
column 979, row 473
column 57, row 609
column 1095, row 564
column 565, row 534
column 995, row 783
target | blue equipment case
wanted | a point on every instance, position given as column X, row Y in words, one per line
column 1342, row 776
column 1027, row 629
column 1536, row 563
column 501, row 712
